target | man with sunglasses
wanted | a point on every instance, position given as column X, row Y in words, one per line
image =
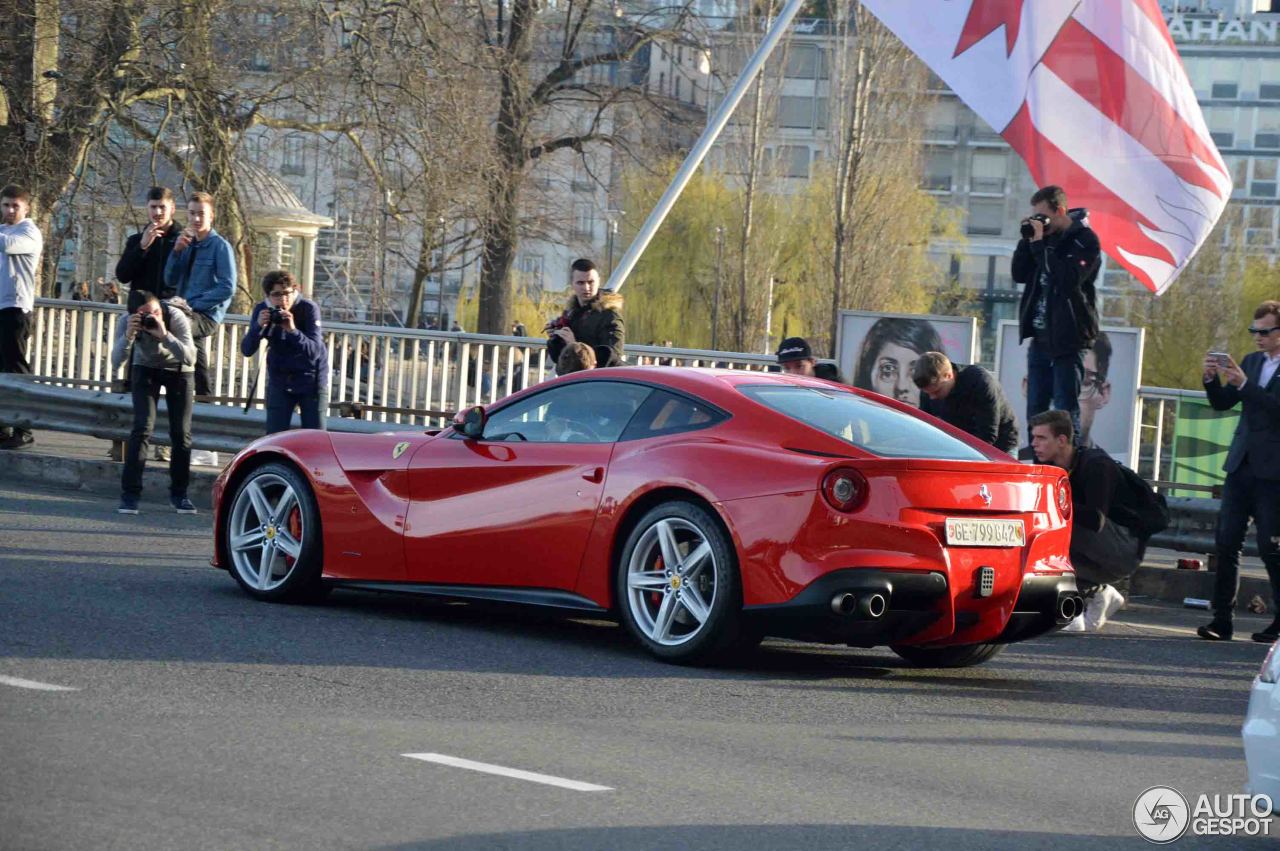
column 1252, row 488
column 297, row 360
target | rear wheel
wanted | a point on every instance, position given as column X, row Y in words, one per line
column 272, row 536
column 677, row 585
column 960, row 656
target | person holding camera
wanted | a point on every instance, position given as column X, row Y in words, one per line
column 202, row 269
column 156, row 342
column 968, row 397
column 1057, row 262
column 297, row 360
column 1252, row 488
column 592, row 317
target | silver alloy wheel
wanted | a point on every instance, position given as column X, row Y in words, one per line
column 263, row 549
column 671, row 581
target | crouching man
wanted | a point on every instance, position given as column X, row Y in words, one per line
column 156, row 343
column 1111, row 515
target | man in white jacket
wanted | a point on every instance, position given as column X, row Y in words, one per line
column 20, row 245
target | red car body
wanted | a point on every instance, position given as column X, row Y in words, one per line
column 544, row 522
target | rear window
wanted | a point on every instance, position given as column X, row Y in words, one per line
column 868, row 425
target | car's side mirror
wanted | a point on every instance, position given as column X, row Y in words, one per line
column 470, row 421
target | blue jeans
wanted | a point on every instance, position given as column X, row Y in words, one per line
column 1053, row 380
column 281, row 403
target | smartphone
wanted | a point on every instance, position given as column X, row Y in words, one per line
column 1223, row 359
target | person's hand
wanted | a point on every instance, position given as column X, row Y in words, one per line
column 264, row 318
column 184, row 239
column 1037, row 229
column 132, row 327
column 150, row 235
column 566, row 334
column 1210, row 367
column 1232, row 372
column 286, row 320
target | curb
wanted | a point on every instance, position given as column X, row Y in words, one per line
column 1173, row 586
column 100, row 477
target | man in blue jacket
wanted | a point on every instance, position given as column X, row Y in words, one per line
column 202, row 269
column 297, row 360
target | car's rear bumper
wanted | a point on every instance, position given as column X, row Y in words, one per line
column 914, row 604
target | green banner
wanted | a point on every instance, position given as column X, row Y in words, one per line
column 1201, row 438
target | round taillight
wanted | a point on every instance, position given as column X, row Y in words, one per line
column 1063, row 494
column 845, row 489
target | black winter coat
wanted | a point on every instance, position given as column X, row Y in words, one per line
column 1071, row 259
column 144, row 270
column 599, row 325
column 976, row 405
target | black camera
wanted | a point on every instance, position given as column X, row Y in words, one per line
column 277, row 316
column 1027, row 230
column 149, row 322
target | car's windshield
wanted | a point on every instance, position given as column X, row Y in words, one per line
column 868, row 425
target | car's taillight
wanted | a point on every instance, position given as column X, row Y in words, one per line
column 1271, row 665
column 845, row 489
column 1062, row 493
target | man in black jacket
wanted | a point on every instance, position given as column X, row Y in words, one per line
column 297, row 358
column 141, row 266
column 1104, row 547
column 1056, row 261
column 592, row 317
column 968, row 397
column 1252, row 488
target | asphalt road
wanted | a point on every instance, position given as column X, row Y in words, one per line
column 202, row 719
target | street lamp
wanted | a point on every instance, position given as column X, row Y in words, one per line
column 611, row 233
column 715, row 302
column 440, row 299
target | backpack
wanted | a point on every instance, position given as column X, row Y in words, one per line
column 1149, row 510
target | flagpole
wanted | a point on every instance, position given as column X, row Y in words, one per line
column 708, row 138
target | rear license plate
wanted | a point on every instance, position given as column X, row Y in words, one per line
column 968, row 532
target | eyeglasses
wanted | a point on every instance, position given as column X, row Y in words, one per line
column 1262, row 332
column 281, row 293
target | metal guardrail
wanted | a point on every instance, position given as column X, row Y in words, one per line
column 98, row 413
column 386, row 370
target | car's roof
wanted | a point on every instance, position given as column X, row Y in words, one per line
column 710, row 384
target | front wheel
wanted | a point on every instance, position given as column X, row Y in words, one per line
column 960, row 656
column 677, row 585
column 272, row 536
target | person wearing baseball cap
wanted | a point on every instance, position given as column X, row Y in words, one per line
column 795, row 356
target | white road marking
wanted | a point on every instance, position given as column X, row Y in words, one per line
column 32, row 684
column 532, row 776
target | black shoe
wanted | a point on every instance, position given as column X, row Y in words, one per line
column 1215, row 631
column 1270, row 634
column 19, row 440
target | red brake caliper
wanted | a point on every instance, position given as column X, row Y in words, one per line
column 295, row 531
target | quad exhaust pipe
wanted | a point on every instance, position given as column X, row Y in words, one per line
column 870, row 606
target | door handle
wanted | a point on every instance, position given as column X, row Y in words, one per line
column 595, row 475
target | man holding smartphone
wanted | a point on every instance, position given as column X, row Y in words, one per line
column 1252, row 488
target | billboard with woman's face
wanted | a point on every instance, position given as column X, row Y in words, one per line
column 1108, row 393
column 877, row 351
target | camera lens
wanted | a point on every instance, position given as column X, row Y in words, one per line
column 149, row 322
column 1027, row 231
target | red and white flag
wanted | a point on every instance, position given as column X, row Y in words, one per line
column 1093, row 96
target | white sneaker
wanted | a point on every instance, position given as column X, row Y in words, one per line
column 1104, row 603
column 204, row 458
column 1076, row 624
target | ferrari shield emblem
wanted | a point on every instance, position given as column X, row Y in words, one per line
column 399, row 450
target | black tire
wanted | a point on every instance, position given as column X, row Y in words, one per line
column 960, row 656
column 720, row 632
column 294, row 580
